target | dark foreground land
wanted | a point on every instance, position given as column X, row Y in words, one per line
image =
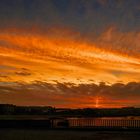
column 28, row 134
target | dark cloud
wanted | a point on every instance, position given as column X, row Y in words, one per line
column 23, row 72
column 3, row 76
column 69, row 94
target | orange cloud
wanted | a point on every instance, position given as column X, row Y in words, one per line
column 64, row 55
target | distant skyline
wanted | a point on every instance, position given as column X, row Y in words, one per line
column 70, row 53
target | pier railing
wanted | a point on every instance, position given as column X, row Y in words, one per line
column 124, row 123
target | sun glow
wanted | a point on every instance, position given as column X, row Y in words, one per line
column 97, row 102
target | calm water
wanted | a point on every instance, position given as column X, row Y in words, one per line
column 13, row 134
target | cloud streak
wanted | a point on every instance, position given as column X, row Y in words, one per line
column 65, row 54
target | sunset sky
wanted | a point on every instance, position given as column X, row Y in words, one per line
column 70, row 53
